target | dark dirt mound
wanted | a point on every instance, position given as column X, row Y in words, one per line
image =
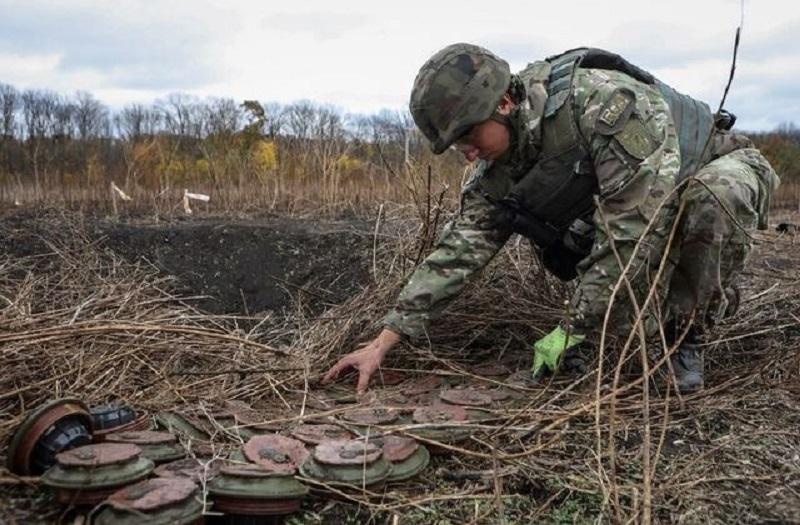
column 251, row 267
column 242, row 267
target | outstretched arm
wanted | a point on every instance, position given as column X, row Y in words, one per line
column 465, row 247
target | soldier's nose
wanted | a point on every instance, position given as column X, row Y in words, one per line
column 470, row 154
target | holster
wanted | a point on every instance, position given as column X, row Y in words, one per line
column 547, row 240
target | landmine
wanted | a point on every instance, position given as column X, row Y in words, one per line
column 52, row 428
column 159, row 501
column 353, row 464
column 421, row 387
column 441, row 425
column 116, row 418
column 194, row 430
column 232, row 417
column 199, row 426
column 389, row 377
column 160, row 447
column 268, row 486
column 407, row 456
column 314, row 434
column 474, row 401
column 251, row 419
column 226, row 421
column 371, row 416
column 500, row 394
column 244, row 423
column 466, row 397
column 276, row 453
column 189, row 468
column 87, row 475
column 244, row 491
column 176, row 423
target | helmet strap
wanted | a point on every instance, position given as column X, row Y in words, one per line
column 500, row 118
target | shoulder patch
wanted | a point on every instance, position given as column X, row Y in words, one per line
column 616, row 111
column 636, row 139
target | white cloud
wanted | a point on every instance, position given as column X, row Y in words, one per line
column 28, row 69
column 362, row 56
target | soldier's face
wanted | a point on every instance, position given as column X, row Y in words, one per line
column 489, row 139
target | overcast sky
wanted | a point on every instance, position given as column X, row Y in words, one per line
column 363, row 55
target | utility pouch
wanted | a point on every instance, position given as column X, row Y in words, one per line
column 724, row 120
column 561, row 261
column 556, row 257
column 524, row 223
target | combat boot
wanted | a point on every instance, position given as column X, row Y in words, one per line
column 687, row 362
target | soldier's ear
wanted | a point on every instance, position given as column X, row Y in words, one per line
column 506, row 105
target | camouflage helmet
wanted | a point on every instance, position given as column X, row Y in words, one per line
column 458, row 87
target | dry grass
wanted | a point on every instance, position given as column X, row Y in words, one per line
column 76, row 321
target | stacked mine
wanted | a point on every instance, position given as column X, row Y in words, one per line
column 87, row 475
column 132, row 474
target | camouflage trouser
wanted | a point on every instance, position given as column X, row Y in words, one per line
column 727, row 200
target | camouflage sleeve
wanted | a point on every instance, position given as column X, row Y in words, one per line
column 636, row 157
column 466, row 245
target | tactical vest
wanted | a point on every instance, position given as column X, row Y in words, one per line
column 560, row 186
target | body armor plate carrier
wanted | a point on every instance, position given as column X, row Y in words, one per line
column 559, row 188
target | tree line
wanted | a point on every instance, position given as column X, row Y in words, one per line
column 52, row 144
column 72, row 147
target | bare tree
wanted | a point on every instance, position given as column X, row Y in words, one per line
column 90, row 116
column 38, row 110
column 180, row 115
column 63, row 114
column 223, row 116
column 394, row 137
column 9, row 104
column 275, row 117
column 136, row 121
column 299, row 119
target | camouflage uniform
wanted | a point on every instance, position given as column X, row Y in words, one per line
column 633, row 154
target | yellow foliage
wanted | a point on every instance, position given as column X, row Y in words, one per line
column 144, row 153
column 70, row 180
column 347, row 164
column 202, row 168
column 94, row 170
column 264, row 156
column 174, row 170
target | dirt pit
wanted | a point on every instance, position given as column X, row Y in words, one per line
column 246, row 268
column 237, row 268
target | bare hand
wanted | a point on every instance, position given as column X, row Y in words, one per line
column 366, row 359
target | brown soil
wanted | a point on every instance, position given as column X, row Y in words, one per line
column 233, row 267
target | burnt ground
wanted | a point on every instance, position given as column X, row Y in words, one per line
column 251, row 267
column 231, row 267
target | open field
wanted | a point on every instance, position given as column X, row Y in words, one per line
column 205, row 205
column 188, row 314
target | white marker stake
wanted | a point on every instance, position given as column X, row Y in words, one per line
column 115, row 191
column 193, row 196
column 119, row 192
